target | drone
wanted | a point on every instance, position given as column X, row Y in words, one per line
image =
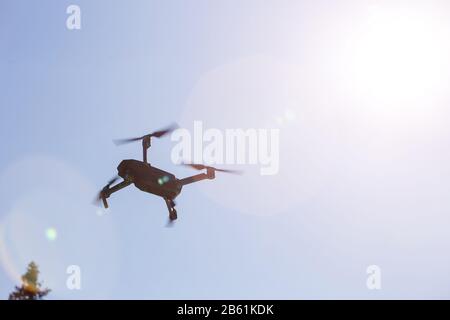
column 153, row 180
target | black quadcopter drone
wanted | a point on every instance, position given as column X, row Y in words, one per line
column 151, row 179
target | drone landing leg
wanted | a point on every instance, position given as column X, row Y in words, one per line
column 106, row 192
column 171, row 206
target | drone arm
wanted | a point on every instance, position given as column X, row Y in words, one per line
column 192, row 179
column 144, row 154
column 117, row 187
column 106, row 192
column 198, row 177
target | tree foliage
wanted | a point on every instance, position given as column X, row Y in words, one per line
column 31, row 287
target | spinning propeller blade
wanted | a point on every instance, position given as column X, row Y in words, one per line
column 156, row 134
column 110, row 182
column 201, row 167
column 119, row 142
column 100, row 194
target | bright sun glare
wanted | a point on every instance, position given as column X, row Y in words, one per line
column 397, row 56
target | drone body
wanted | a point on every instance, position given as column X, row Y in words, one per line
column 151, row 179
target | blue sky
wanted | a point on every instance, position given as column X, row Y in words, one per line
column 363, row 164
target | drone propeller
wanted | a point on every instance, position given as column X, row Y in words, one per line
column 111, row 181
column 201, row 167
column 100, row 194
column 156, row 134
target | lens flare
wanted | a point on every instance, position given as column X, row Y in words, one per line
column 51, row 234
